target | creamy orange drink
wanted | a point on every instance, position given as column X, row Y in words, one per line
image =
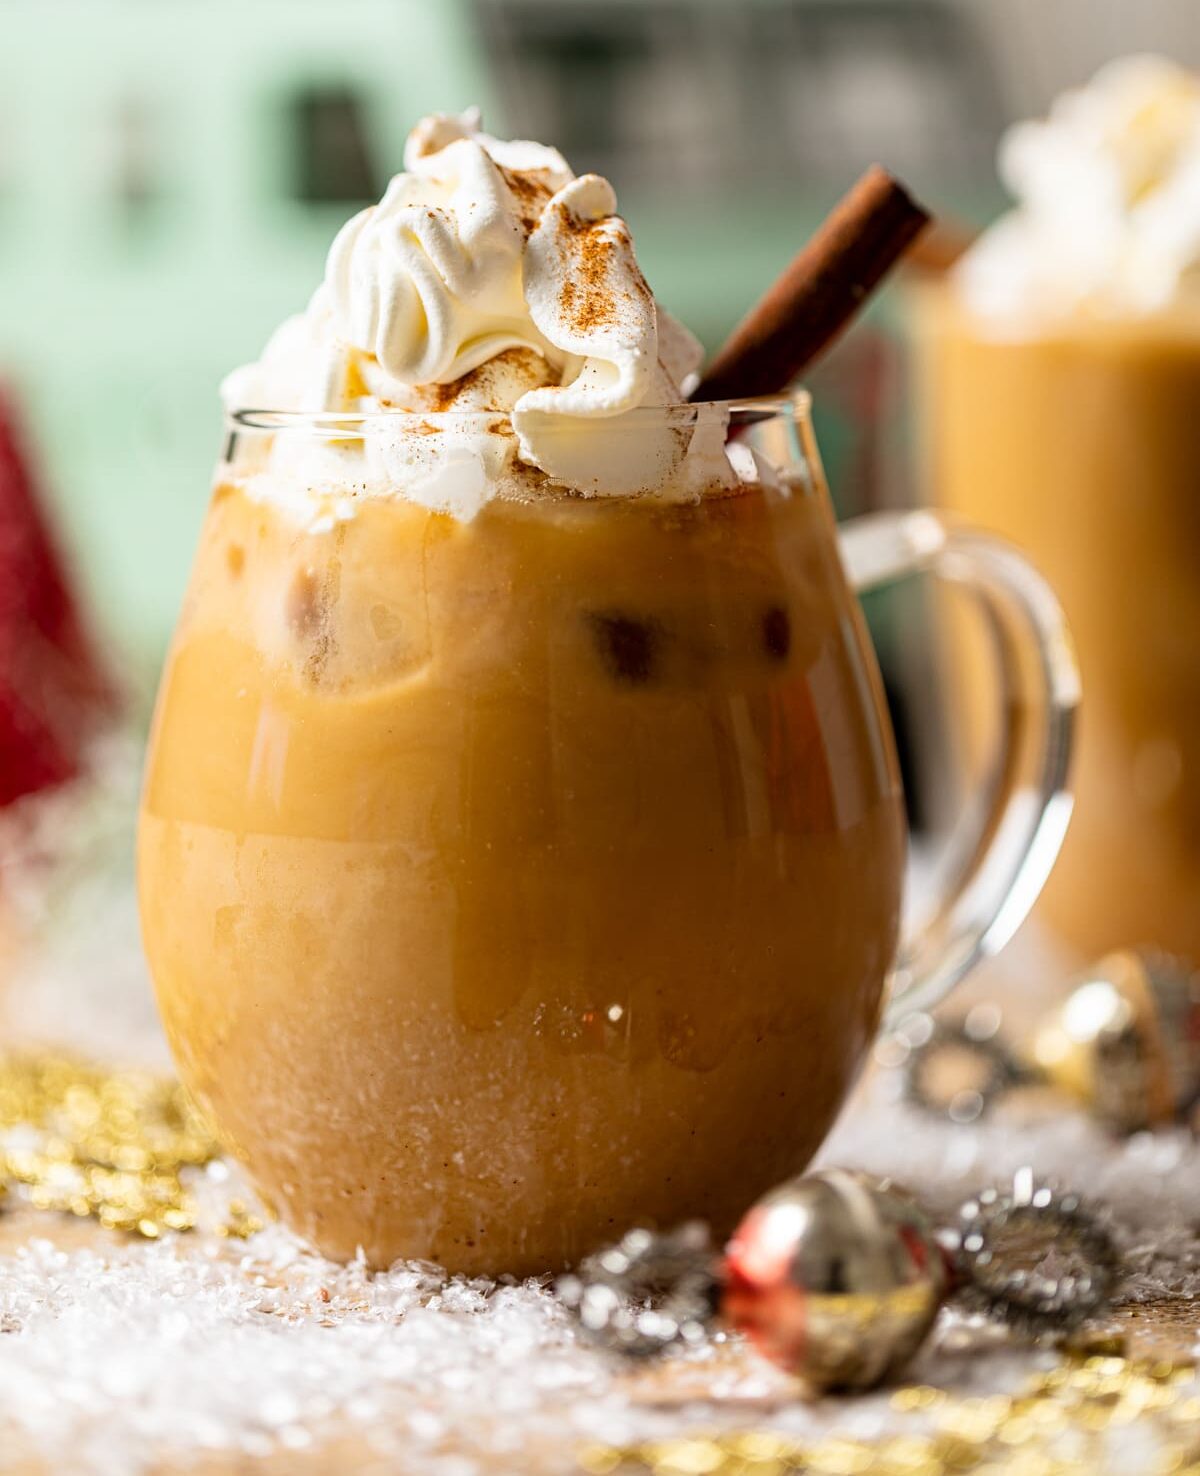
column 1061, row 388
column 501, row 881
column 522, row 842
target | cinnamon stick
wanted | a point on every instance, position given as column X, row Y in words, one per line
column 819, row 292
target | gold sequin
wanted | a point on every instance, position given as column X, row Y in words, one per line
column 110, row 1145
column 1054, row 1426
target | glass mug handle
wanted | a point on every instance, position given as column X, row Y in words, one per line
column 1025, row 798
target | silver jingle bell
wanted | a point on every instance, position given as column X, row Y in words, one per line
column 1035, row 1256
column 649, row 1292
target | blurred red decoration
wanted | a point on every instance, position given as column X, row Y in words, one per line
column 53, row 688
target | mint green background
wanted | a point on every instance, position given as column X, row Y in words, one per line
column 116, row 341
column 116, row 335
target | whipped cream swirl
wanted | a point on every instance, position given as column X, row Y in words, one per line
column 489, row 279
column 1108, row 213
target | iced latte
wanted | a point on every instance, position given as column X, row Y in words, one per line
column 522, row 843
column 1061, row 379
column 511, row 881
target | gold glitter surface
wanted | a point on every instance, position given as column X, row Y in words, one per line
column 110, row 1145
column 1060, row 1423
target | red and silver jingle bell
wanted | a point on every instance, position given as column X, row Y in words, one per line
column 837, row 1278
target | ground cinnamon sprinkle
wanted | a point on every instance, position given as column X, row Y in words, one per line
column 530, row 189
column 445, row 397
column 596, row 245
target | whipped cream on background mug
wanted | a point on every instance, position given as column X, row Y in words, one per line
column 522, row 845
column 1107, row 220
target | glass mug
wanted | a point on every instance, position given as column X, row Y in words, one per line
column 507, row 882
column 1078, row 441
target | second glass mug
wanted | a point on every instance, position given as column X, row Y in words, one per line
column 507, row 882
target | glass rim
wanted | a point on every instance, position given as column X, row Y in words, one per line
column 752, row 411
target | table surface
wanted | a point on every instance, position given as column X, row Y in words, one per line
column 212, row 1355
column 205, row 1400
